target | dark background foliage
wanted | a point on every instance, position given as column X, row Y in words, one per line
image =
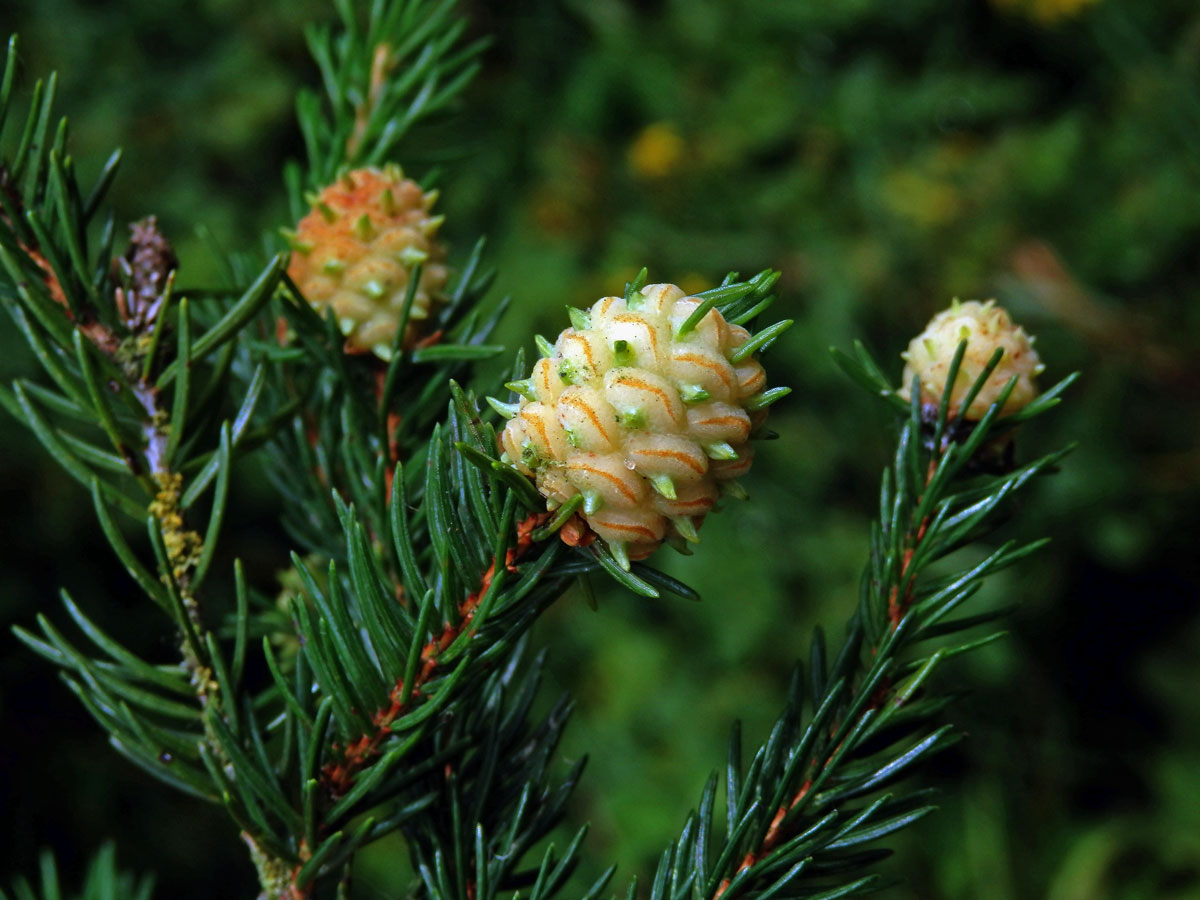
column 886, row 157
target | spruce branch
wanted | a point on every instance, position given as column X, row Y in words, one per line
column 804, row 817
column 98, row 327
column 396, row 695
column 339, row 775
column 497, row 800
column 434, row 559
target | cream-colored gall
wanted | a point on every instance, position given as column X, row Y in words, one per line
column 985, row 327
column 640, row 417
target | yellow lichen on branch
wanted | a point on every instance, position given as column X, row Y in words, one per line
column 183, row 545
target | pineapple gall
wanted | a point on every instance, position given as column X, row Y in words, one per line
column 356, row 250
column 984, row 326
column 646, row 421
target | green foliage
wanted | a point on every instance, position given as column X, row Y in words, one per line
column 395, row 556
column 801, row 816
column 427, row 589
column 104, row 881
column 378, row 81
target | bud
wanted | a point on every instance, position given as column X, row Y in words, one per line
column 356, row 250
column 145, row 269
column 984, row 326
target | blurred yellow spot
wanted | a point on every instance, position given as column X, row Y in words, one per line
column 656, row 151
column 922, row 200
column 1045, row 12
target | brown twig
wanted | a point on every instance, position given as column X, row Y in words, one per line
column 381, row 67
column 86, row 322
column 901, row 595
column 339, row 776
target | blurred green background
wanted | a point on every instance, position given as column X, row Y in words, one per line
column 886, row 157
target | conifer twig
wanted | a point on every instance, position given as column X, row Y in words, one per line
column 800, row 815
column 339, row 776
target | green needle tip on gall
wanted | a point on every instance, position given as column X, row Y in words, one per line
column 985, row 327
column 649, row 424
